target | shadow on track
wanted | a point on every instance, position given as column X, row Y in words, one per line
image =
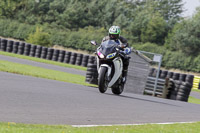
column 95, row 89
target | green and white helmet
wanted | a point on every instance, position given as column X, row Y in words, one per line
column 114, row 32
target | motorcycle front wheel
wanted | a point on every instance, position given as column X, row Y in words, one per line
column 102, row 82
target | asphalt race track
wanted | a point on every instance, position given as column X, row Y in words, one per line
column 26, row 99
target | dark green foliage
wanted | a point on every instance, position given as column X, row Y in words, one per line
column 73, row 23
column 185, row 36
column 8, row 8
column 155, row 30
column 39, row 37
column 133, row 16
column 196, row 63
column 170, row 9
column 14, row 29
column 81, row 39
column 175, row 60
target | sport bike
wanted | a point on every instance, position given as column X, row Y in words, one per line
column 110, row 65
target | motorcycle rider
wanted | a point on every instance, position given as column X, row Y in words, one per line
column 114, row 34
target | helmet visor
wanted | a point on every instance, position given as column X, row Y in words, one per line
column 114, row 36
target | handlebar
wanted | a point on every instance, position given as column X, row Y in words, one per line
column 120, row 52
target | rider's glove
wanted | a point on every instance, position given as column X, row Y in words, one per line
column 127, row 50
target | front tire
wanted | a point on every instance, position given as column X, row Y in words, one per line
column 102, row 82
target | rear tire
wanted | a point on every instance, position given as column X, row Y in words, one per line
column 117, row 90
column 102, row 82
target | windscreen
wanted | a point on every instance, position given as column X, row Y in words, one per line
column 108, row 47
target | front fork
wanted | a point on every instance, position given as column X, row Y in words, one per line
column 108, row 74
column 108, row 69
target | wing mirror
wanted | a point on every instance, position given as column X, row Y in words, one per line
column 93, row 42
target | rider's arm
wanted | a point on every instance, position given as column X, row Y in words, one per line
column 124, row 41
column 127, row 49
column 105, row 38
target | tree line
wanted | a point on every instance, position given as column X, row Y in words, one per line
column 73, row 23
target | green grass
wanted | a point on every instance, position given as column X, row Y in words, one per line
column 43, row 61
column 193, row 100
column 22, row 69
column 148, row 128
column 196, row 90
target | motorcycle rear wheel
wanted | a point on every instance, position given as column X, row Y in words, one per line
column 102, row 82
column 117, row 90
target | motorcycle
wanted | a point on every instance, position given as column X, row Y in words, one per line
column 110, row 65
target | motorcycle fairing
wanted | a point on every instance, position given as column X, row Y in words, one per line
column 105, row 65
column 118, row 64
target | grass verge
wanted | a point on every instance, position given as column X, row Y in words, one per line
column 22, row 69
column 196, row 90
column 193, row 100
column 148, row 128
column 43, row 60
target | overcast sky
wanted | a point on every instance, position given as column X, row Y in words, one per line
column 190, row 6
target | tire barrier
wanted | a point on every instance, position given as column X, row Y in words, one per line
column 189, row 79
column 21, row 48
column 27, row 49
column 32, row 50
column 79, row 59
column 38, row 51
column 55, row 55
column 61, row 56
column 153, row 72
column 67, row 57
column 49, row 53
column 170, row 74
column 15, row 47
column 43, row 53
column 180, row 85
column 85, row 60
column 182, row 77
column 92, row 74
column 91, row 59
column 172, row 92
column 73, row 58
column 9, row 47
column 173, row 75
column 163, row 74
column 176, row 76
column 179, row 90
column 3, row 44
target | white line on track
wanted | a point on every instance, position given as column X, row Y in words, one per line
column 167, row 123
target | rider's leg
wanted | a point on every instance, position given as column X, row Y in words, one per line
column 125, row 68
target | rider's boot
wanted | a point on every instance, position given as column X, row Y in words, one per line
column 125, row 69
column 124, row 75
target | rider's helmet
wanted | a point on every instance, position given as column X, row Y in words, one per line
column 114, row 32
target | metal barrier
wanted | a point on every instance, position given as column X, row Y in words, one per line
column 161, row 89
column 156, row 58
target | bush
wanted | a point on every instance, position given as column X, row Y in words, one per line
column 186, row 36
column 39, row 37
column 14, row 29
column 172, row 59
